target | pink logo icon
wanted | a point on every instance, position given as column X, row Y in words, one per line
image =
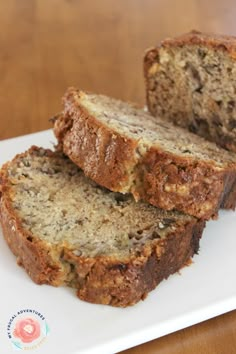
column 27, row 329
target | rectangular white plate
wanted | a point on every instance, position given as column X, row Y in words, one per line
column 205, row 289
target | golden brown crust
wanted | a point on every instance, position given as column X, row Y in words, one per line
column 104, row 279
column 33, row 255
column 202, row 200
column 40, row 260
column 218, row 42
column 163, row 179
column 109, row 162
column 123, row 284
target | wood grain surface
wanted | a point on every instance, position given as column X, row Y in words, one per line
column 48, row 45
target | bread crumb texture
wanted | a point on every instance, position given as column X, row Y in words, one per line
column 66, row 229
column 191, row 81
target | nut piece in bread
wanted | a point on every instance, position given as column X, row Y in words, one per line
column 65, row 229
column 190, row 81
column 129, row 151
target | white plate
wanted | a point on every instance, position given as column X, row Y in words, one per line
column 205, row 289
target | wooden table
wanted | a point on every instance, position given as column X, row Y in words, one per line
column 48, row 45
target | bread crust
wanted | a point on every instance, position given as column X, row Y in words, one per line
column 112, row 282
column 161, row 178
column 104, row 280
column 33, row 255
column 222, row 43
column 219, row 42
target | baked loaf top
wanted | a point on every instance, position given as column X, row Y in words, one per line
column 190, row 80
column 127, row 150
column 65, row 229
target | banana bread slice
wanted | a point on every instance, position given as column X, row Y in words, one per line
column 65, row 229
column 127, row 150
column 190, row 80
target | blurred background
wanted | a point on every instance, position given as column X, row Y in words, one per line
column 48, row 45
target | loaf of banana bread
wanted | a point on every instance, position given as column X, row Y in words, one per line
column 65, row 229
column 190, row 80
column 127, row 150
